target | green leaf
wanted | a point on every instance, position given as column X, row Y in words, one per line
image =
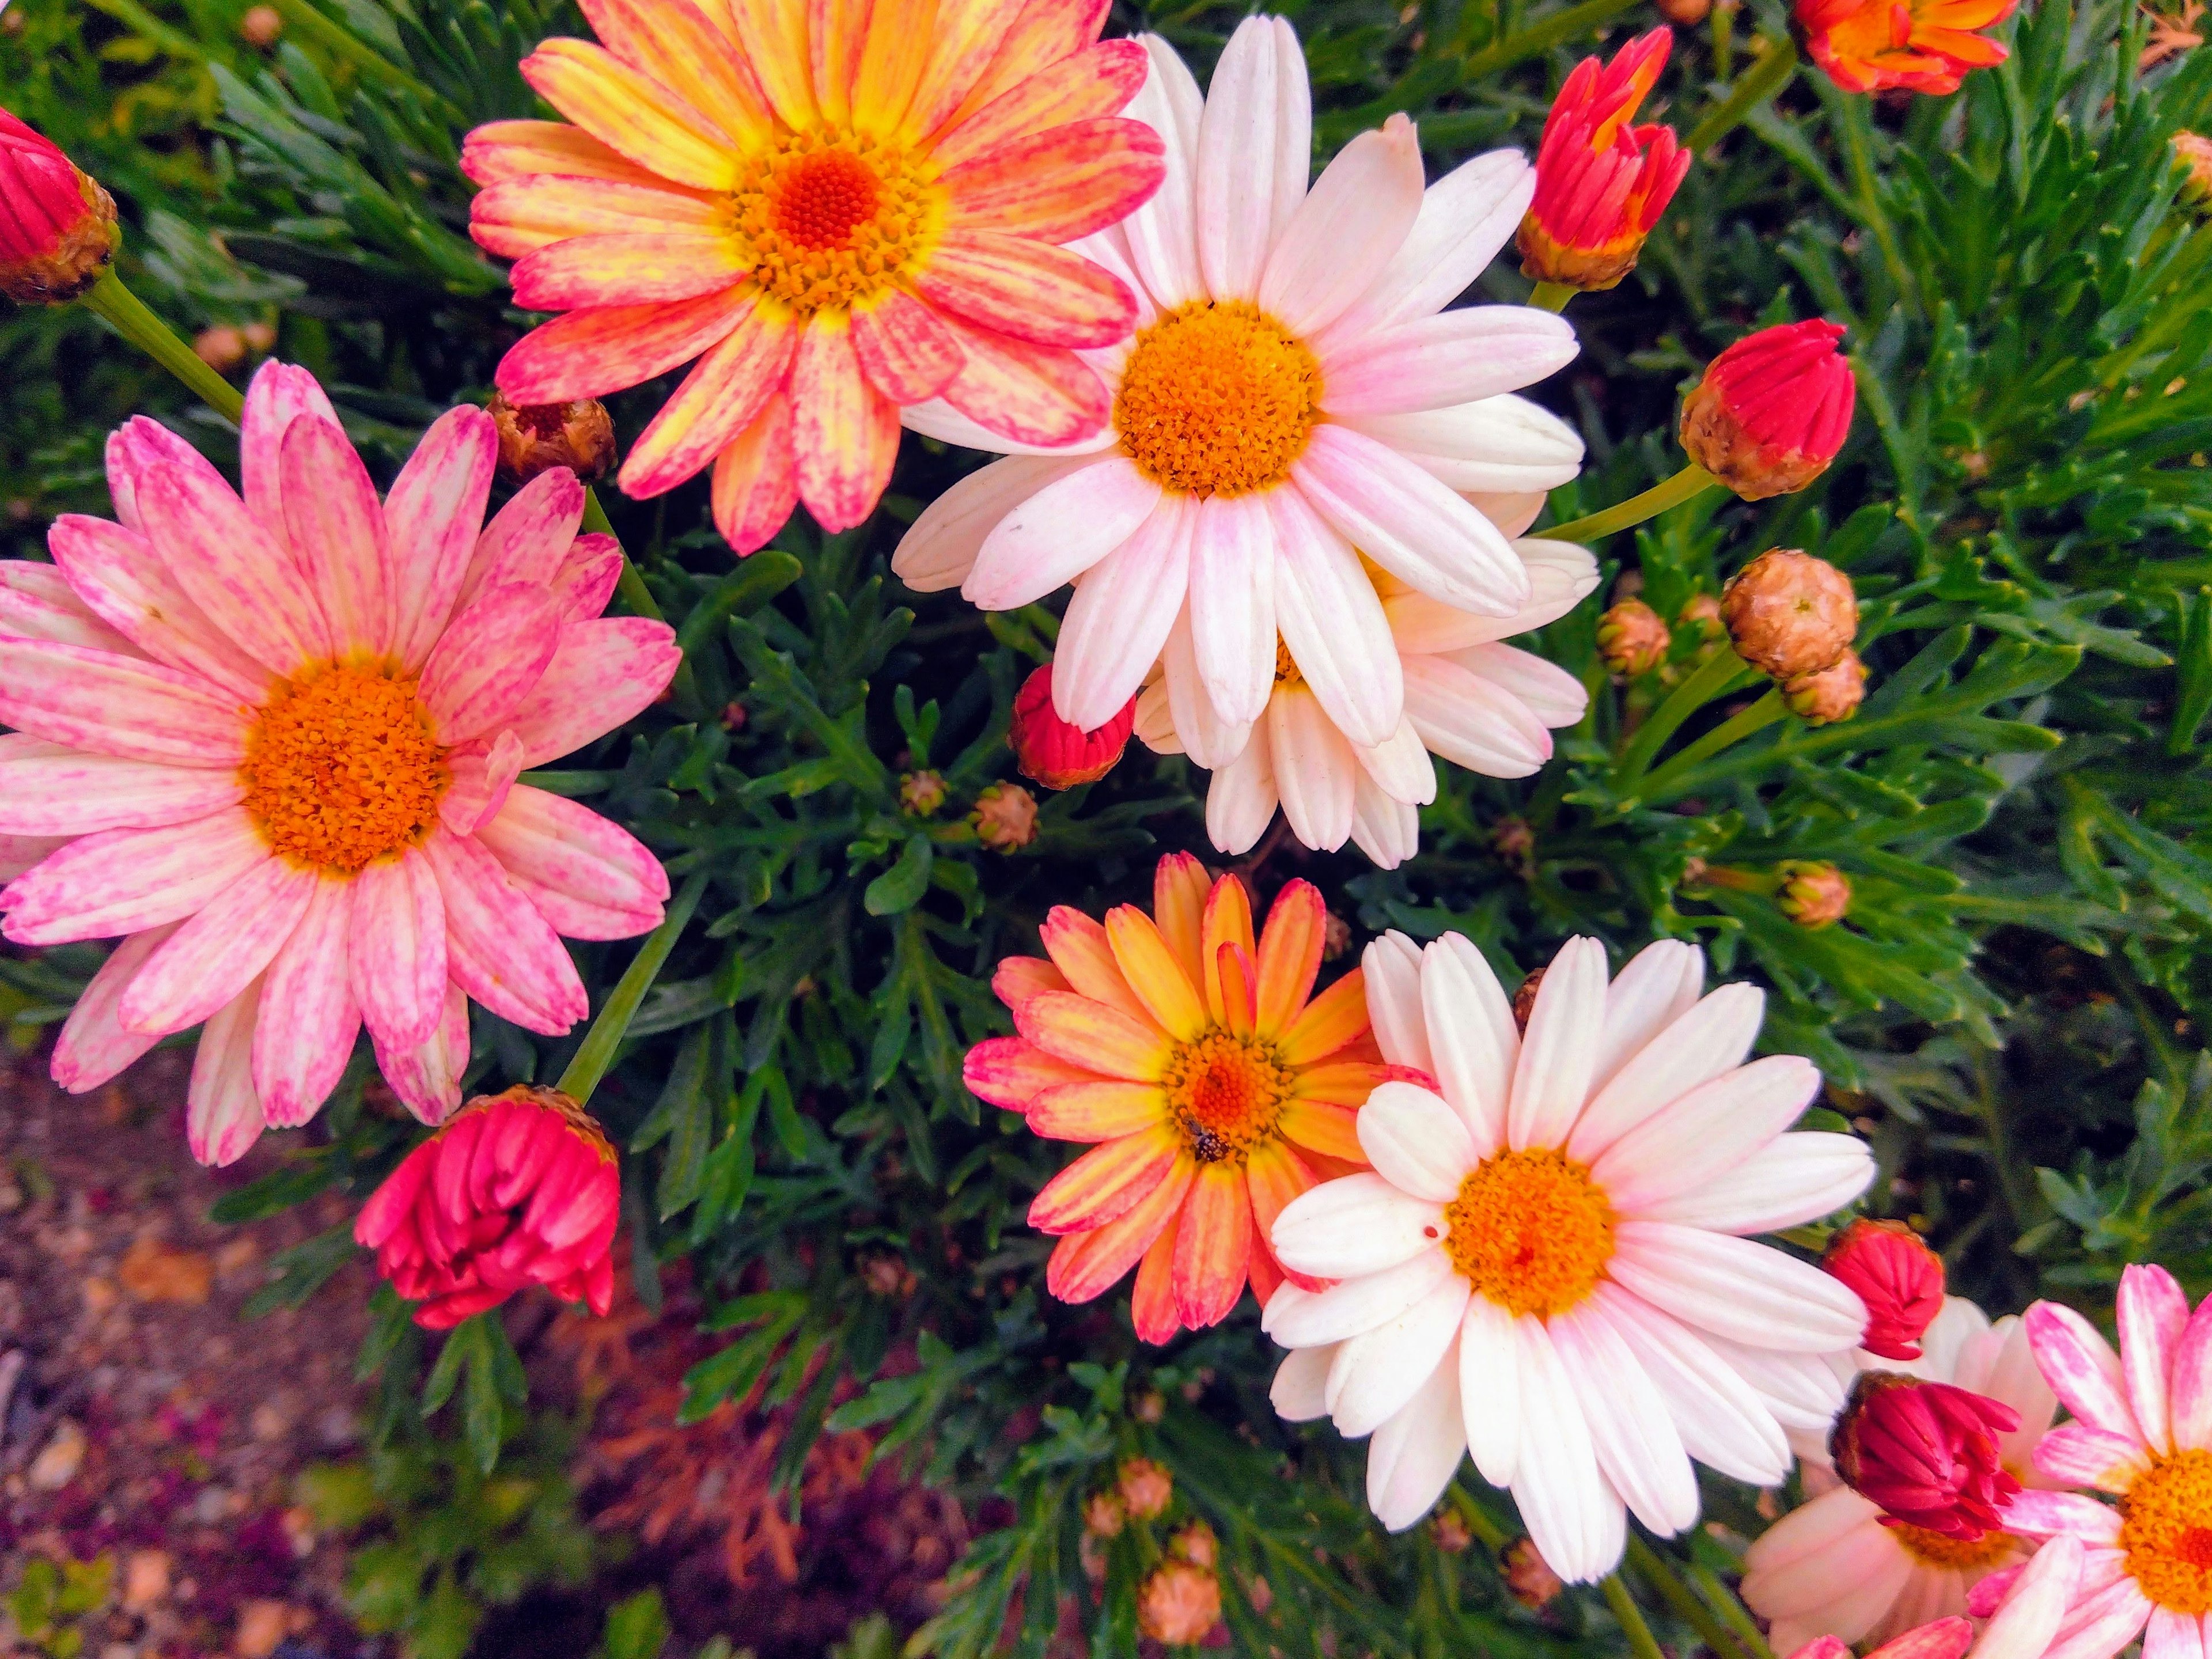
column 637, row 1627
column 901, row 887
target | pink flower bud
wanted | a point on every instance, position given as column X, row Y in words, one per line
column 1054, row 752
column 1926, row 1453
column 57, row 225
column 1772, row 409
column 1899, row 1279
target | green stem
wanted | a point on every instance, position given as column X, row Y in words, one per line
column 1540, row 37
column 1757, row 718
column 123, row 311
column 303, row 17
column 1660, row 1573
column 1753, row 87
column 597, row 1052
column 1641, row 1642
column 1710, row 679
column 1553, row 296
column 1858, row 151
column 1597, row 526
column 1492, row 1536
column 639, row 598
column 1732, row 1612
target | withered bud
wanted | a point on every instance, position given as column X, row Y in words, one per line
column 920, row 794
column 1145, row 1488
column 1448, row 1532
column 1180, row 1604
column 1701, row 614
column 221, row 348
column 535, row 437
column 1812, row 894
column 1789, row 614
column 1527, row 1576
column 1685, row 14
column 1833, row 694
column 1335, row 936
column 1632, row 639
column 1197, row 1545
column 1006, row 817
column 1524, row 999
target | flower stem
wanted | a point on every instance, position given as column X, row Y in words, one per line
column 1553, row 296
column 1477, row 1518
column 1597, row 526
column 126, row 313
column 1732, row 1612
column 1710, row 679
column 639, row 598
column 1757, row 718
column 597, row 1052
column 1661, row 1574
column 1641, row 1642
column 1757, row 83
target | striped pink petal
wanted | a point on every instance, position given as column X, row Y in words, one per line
column 303, row 1043
column 232, row 568
column 587, row 876
column 427, row 1077
column 336, row 527
column 92, row 1046
column 2082, row 1368
column 604, row 673
column 844, row 432
column 396, row 946
column 587, row 578
column 490, row 659
column 904, row 349
column 527, row 539
column 724, row 394
column 123, row 581
column 499, row 950
column 138, row 444
column 222, row 1114
column 121, row 881
column 221, row 951
column 118, row 706
column 280, row 394
column 48, row 789
column 433, row 517
column 756, row 480
column 481, row 773
column 2152, row 1313
column 37, row 603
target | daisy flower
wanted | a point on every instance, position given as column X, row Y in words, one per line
column 277, row 740
column 1295, row 389
column 1548, row 1265
column 838, row 211
column 2020, row 1627
column 2142, row 1434
column 1467, row 699
column 1217, row 1086
column 1834, row 1567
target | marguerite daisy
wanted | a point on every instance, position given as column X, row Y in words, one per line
column 837, row 211
column 1295, row 391
column 1548, row 1265
column 282, row 736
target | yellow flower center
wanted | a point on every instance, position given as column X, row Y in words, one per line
column 1934, row 1549
column 1286, row 671
column 830, row 218
column 1218, row 398
column 2166, row 1530
column 1530, row 1230
column 1227, row 1093
column 340, row 769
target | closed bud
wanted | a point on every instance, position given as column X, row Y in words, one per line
column 221, row 348
column 1197, row 1545
column 920, row 794
column 1056, row 753
column 1830, row 694
column 260, row 27
column 1180, row 1604
column 1006, row 817
column 1898, row 1278
column 1528, row 1577
column 1789, row 614
column 1146, row 1488
column 1813, row 894
column 1632, row 639
column 2193, row 152
column 1524, row 999
column 1685, row 14
column 1925, row 1453
column 1772, row 409
column 1601, row 183
column 535, row 437
column 516, row 1189
column 1103, row 1515
column 57, row 228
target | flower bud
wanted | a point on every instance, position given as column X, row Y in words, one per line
column 1448, row 1532
column 1602, row 184
column 260, row 27
column 1813, row 894
column 1524, row 999
column 1772, row 409
column 516, row 1189
column 1103, row 1515
column 1528, row 1577
column 1005, row 817
column 1898, row 1278
column 1789, row 614
column 221, row 348
column 1685, row 14
column 1926, row 1453
column 1632, row 639
column 920, row 794
column 1197, row 1545
column 58, row 229
column 537, row 437
column 1828, row 694
column 2194, row 152
column 1180, row 1604
column 1146, row 1488
column 1054, row 752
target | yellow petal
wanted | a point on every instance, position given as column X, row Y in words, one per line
column 1153, row 972
column 1090, row 1110
column 1289, row 954
column 631, row 113
column 1331, row 1020
column 1106, row 1182
column 1090, row 1035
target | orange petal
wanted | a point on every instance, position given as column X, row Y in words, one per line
column 772, row 34
column 844, row 432
column 718, row 400
column 1275, row 1174
column 1326, row 1129
column 1091, row 1111
column 1264, row 1270
column 1213, row 1246
column 1153, row 973
column 631, row 113
column 1330, row 1021
column 1178, row 909
column 904, row 349
column 1227, row 920
column 500, row 150
column 588, row 273
column 756, row 480
column 1020, row 978
column 1058, row 185
column 900, row 33
column 1098, row 81
column 1106, row 1182
column 1010, row 1073
column 674, row 43
column 1081, row 949
column 612, row 348
column 1045, row 32
column 1091, row 1034
column 1028, row 289
column 1084, row 1265
column 516, row 216
column 1960, row 47
column 1033, row 394
column 968, row 34
column 1289, row 954
column 1152, row 1303
column 1344, row 1082
column 1235, row 990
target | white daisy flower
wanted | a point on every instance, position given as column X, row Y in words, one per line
column 1294, row 389
column 1549, row 1265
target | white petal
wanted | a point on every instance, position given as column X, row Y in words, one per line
column 1295, row 1392
column 1333, row 624
column 1120, row 618
column 1351, row 1307
column 1401, row 768
column 1713, row 1037
column 1378, row 1372
column 1501, row 446
column 1490, row 1389
column 1722, row 1420
column 1560, row 577
column 1415, row 1141
column 1059, row 532
column 1550, row 1080
column 1233, row 601
column 1241, row 800
column 2024, row 1626
column 1162, row 242
column 1355, row 1224
column 1293, row 130
column 1466, row 216
column 1414, row 1456
column 1342, row 235
column 1471, row 722
column 1208, row 740
column 1746, row 1292
column 1392, row 965
column 1453, row 358
column 1577, row 1521
column 1386, row 829
column 1706, row 1133
column 1802, row 1390
column 1799, row 1178
column 1635, row 1439
column 1234, row 179
column 1659, row 986
column 1408, row 523
column 1473, row 1035
column 1315, row 769
column 1547, row 691
column 940, row 549
column 939, row 420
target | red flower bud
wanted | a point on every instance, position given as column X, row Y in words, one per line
column 1926, row 1452
column 57, row 224
column 1899, row 1279
column 1055, row 753
column 1601, row 183
column 1772, row 409
column 516, row 1189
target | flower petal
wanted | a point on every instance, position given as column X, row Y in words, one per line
column 47, row 789
column 93, row 1047
column 575, row 865
column 1091, row 1034
column 302, row 1046
column 433, row 517
column 757, row 480
column 1333, row 624
column 632, row 113
column 1357, row 1224
column 498, row 948
column 605, row 671
column 222, row 1114
column 1058, row 185
column 1551, row 1080
column 1257, row 102
column 1416, row 1142
column 2151, row 1314
column 1500, row 444
column 1098, row 80
column 516, row 216
column 1092, row 1110
column 1414, row 1455
column 396, row 942
column 1161, row 234
column 844, row 432
column 123, row 881
column 906, row 354
column 1085, row 1265
column 1213, row 1243
column 1706, row 1043
column 1232, row 603
column 335, row 524
column 1316, row 774
column 676, row 44
column 1471, row 722
column 1746, row 1292
column 724, row 394
column 1012, row 1071
column 1026, row 289
column 278, row 394
column 2082, row 1368
column 488, row 660
column 617, row 269
column 530, row 539
column 1453, row 357
column 232, row 568
column 1465, row 217
column 1378, row 1372
column 427, row 1077
column 1796, row 1179
column 1123, row 609
column 612, row 347
column 221, row 951
column 1025, row 394
column 1342, row 236
column 1106, row 1182
column 1577, row 1523
column 940, row 549
column 1707, row 1133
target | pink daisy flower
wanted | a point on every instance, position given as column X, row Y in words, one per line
column 272, row 744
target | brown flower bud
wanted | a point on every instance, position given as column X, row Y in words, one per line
column 1197, row 1545
column 1813, row 894
column 1146, row 1487
column 1632, row 639
column 260, row 338
column 1335, row 936
column 57, row 228
column 1685, row 14
column 1524, row 999
column 1527, row 1576
column 2194, row 152
column 920, row 794
column 1005, row 817
column 1448, row 1532
column 1829, row 694
column 537, row 437
column 1701, row 615
column 1513, row 842
column 221, row 348
column 1103, row 1515
column 1180, row 1604
column 1788, row 613
column 260, row 27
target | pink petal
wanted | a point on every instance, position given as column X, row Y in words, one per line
column 2191, row 1401
column 756, row 480
column 482, row 775
column 585, row 875
column 138, row 444
column 124, row 581
column 38, row 603
column 724, row 393
column 499, row 949
column 63, row 791
column 93, row 1047
column 844, row 432
column 1333, row 623
column 2082, row 1368
column 397, row 946
column 123, row 881
column 222, row 1114
column 335, row 526
column 940, row 548
column 427, row 1077
column 1343, row 233
column 2053, row 1514
column 118, row 706
column 588, row 576
column 279, row 394
column 433, row 516
column 1059, row 532
column 221, row 951
column 232, row 568
column 490, row 659
column 1441, row 361
column 2152, row 1313
column 302, row 1046
column 2079, row 1456
column 1121, row 615
column 20, row 854
column 528, row 539
column 904, row 350
column 604, row 673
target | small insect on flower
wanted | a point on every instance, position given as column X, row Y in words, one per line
column 57, row 228
column 1921, row 45
column 1772, row 409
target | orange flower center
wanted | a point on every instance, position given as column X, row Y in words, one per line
column 1976, row 1555
column 830, row 218
column 1227, row 1093
column 1530, row 1230
column 2166, row 1530
column 1217, row 398
column 340, row 769
column 1286, row 670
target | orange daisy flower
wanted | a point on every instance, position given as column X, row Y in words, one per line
column 840, row 210
column 1217, row 1086
column 1925, row 46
